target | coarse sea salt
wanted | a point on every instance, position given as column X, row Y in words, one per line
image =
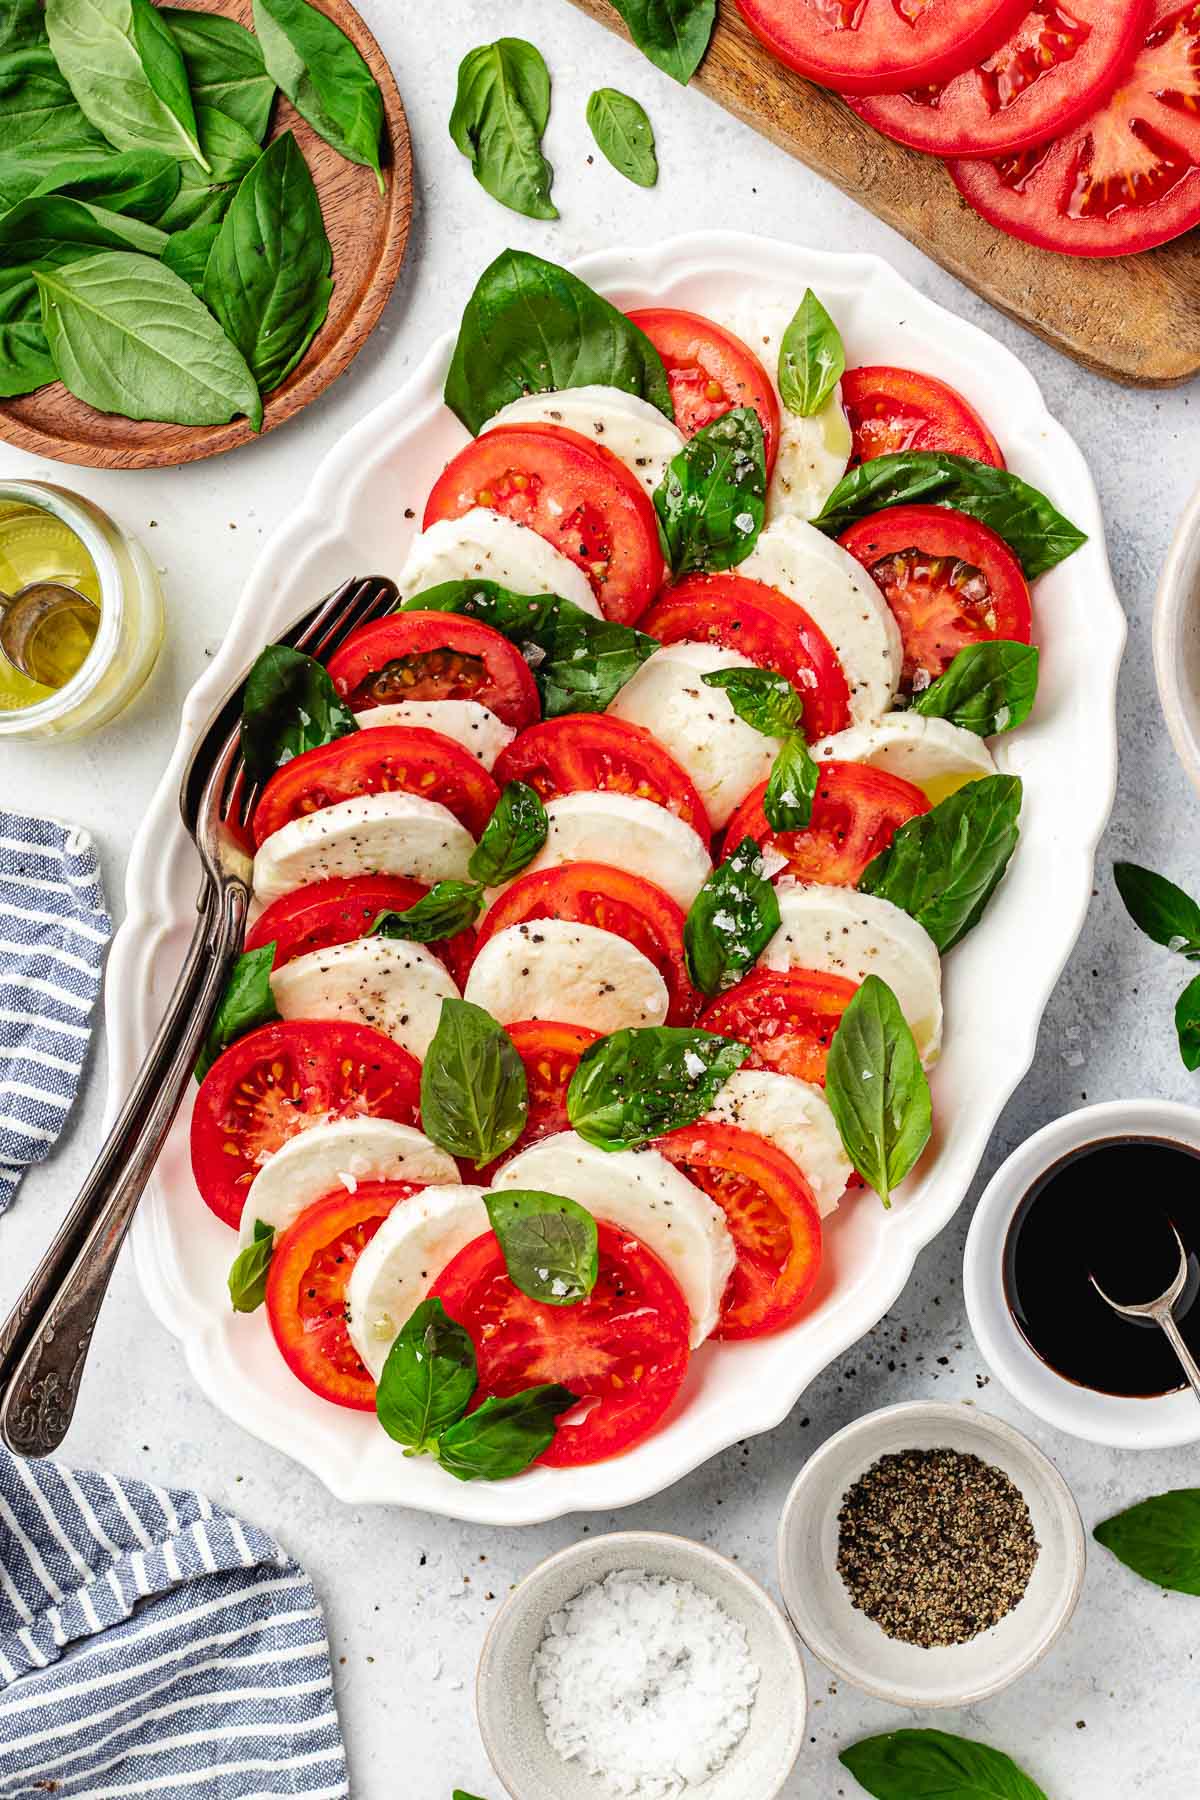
column 647, row 1681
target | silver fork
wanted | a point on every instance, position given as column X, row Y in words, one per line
column 45, row 1340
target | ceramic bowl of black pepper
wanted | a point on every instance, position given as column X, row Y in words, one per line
column 931, row 1555
column 643, row 1659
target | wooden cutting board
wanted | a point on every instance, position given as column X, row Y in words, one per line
column 1135, row 319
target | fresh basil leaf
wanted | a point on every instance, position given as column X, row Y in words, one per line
column 1187, row 1024
column 944, row 866
column 289, row 705
column 812, row 358
column 474, row 1096
column 324, row 77
column 935, row 1765
column 206, row 196
column 791, row 786
column 550, row 1244
column 22, row 26
column 638, row 1083
column 712, row 500
column 988, row 688
column 1023, row 517
column 763, row 700
column 500, row 112
column 37, row 108
column 731, row 921
column 876, row 1088
column 428, row 1379
column 1159, row 1539
column 448, row 908
column 137, row 183
column 126, row 71
column 248, row 1276
column 247, row 1001
column 186, row 253
column 531, row 327
column 458, row 1794
column 225, row 67
column 624, row 135
column 674, row 34
column 502, row 1437
column 512, row 836
column 1160, row 909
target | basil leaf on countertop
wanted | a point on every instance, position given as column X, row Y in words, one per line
column 550, row 1244
column 428, row 1378
column 712, row 500
column 225, row 67
column 674, row 34
column 531, row 327
column 812, row 358
column 876, row 1088
column 37, row 109
column 203, row 197
column 761, row 699
column 289, row 705
column 502, row 1437
column 135, row 183
column 731, row 921
column 944, row 866
column 127, row 73
column 624, row 135
column 792, row 786
column 500, row 111
column 248, row 1276
column 1187, row 1024
column 1160, row 909
column 935, row 1765
column 247, row 1001
column 512, row 836
column 1027, row 521
column 636, row 1084
column 448, row 908
column 988, row 688
column 22, row 26
column 1159, row 1539
column 460, row 1794
column 186, row 253
column 474, row 1096
column 324, row 77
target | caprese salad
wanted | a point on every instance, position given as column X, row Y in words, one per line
column 601, row 889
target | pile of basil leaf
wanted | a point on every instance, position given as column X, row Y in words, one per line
column 154, row 256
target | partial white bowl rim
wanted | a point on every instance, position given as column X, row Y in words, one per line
column 1177, row 602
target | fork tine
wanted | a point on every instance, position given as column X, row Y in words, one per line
column 369, row 599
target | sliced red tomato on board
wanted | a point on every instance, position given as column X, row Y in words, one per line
column 572, row 492
column 586, row 752
column 435, row 656
column 335, row 912
column 881, row 46
column 787, row 1020
column 623, row 1350
column 550, row 1052
column 892, row 409
column 388, row 758
column 1123, row 179
column 306, row 1289
column 857, row 811
column 768, row 630
column 710, row 371
column 611, row 899
column 949, row 580
column 279, row 1080
column 1057, row 65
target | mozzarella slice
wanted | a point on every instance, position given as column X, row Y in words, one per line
column 633, row 834
column 814, row 452
column 724, row 756
column 485, row 546
column 574, row 974
column 473, row 726
column 840, row 932
column 639, row 1191
column 395, row 1272
column 337, row 1155
column 795, row 1116
column 931, row 753
column 375, row 834
column 636, row 432
column 840, row 597
column 388, row 983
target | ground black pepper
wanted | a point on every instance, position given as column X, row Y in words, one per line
column 935, row 1546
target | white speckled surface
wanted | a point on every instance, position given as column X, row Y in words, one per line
column 1112, row 1713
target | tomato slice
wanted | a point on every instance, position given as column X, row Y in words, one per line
column 388, row 757
column 892, row 409
column 787, row 1020
column 334, row 912
column 881, row 46
column 857, row 811
column 710, row 371
column 623, row 1350
column 593, row 751
column 435, row 656
column 575, row 494
column 1122, row 179
column 550, row 1053
column 949, row 580
column 306, row 1289
column 1058, row 64
column 767, row 629
column 282, row 1078
column 589, row 893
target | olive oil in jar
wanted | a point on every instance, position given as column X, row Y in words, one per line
column 45, row 636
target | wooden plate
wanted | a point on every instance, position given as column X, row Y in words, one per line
column 368, row 234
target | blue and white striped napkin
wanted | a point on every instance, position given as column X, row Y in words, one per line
column 53, row 933
column 154, row 1645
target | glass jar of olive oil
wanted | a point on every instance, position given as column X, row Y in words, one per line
column 81, row 613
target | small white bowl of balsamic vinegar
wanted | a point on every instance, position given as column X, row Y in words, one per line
column 50, row 535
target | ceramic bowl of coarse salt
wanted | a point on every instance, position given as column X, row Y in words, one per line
column 644, row 1666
